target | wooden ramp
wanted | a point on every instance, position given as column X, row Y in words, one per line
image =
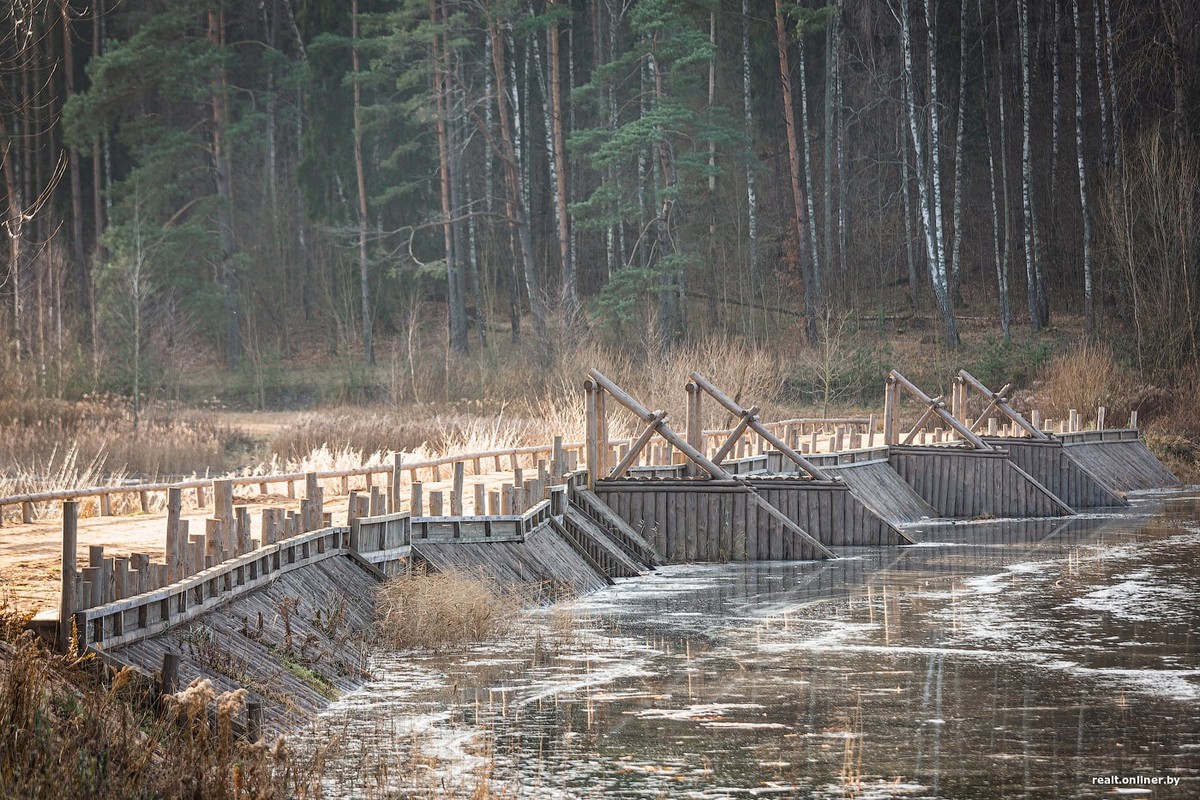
column 968, row 483
column 877, row 485
column 294, row 643
column 545, row 562
column 1119, row 459
column 1056, row 468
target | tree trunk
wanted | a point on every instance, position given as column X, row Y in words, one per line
column 935, row 153
column 806, row 151
column 956, row 248
column 813, row 300
column 1001, row 263
column 229, row 279
column 1105, row 150
column 937, row 268
column 364, row 264
column 1035, row 291
column 1084, row 209
column 456, row 310
column 514, row 201
column 79, row 274
column 751, row 195
column 1006, row 297
column 570, row 287
column 910, row 257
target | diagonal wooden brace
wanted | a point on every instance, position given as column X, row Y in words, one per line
column 748, row 417
column 639, row 445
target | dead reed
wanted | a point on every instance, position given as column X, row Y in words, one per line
column 74, row 730
column 441, row 610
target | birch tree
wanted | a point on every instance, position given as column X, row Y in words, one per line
column 1084, row 209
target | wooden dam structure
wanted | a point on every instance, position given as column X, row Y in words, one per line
column 285, row 613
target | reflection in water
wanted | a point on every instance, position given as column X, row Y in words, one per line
column 992, row 659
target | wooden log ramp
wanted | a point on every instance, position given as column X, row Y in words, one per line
column 1119, row 459
column 1054, row 465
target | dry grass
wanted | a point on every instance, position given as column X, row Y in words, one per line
column 70, row 735
column 1083, row 379
column 439, row 611
column 93, row 437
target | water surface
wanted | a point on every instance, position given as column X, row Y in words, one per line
column 997, row 659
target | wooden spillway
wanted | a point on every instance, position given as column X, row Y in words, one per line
column 723, row 520
column 1119, row 459
column 872, row 479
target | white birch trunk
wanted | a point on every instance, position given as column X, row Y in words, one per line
column 1084, row 209
column 956, row 247
column 935, row 143
column 806, row 149
column 1000, row 259
column 1033, row 290
column 1105, row 151
column 937, row 269
column 751, row 196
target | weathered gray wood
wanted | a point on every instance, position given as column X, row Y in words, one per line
column 68, row 604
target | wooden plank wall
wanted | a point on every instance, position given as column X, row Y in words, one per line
column 1125, row 465
column 717, row 521
column 962, row 483
column 1048, row 462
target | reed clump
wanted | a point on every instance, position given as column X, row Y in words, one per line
column 442, row 610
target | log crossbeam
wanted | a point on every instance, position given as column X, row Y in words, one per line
column 749, row 417
column 998, row 404
column 934, row 407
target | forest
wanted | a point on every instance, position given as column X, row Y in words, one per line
column 238, row 185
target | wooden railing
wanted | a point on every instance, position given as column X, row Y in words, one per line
column 566, row 454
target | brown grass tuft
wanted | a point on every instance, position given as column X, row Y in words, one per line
column 73, row 731
column 443, row 610
column 1087, row 377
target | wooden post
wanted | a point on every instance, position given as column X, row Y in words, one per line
column 352, row 508
column 201, row 500
column 253, row 721
column 169, row 677
column 507, row 491
column 243, row 530
column 1133, row 419
column 394, row 488
column 435, row 504
column 889, row 412
column 67, row 605
column 558, row 460
column 214, row 542
column 1100, row 418
column 174, row 510
column 141, row 563
column 479, row 495
column 106, row 505
column 27, row 512
column 456, row 494
column 121, row 577
column 416, row 504
column 493, row 505
column 377, row 503
column 592, row 442
column 695, row 427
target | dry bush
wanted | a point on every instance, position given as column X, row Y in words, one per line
column 443, row 610
column 70, row 735
column 1084, row 379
